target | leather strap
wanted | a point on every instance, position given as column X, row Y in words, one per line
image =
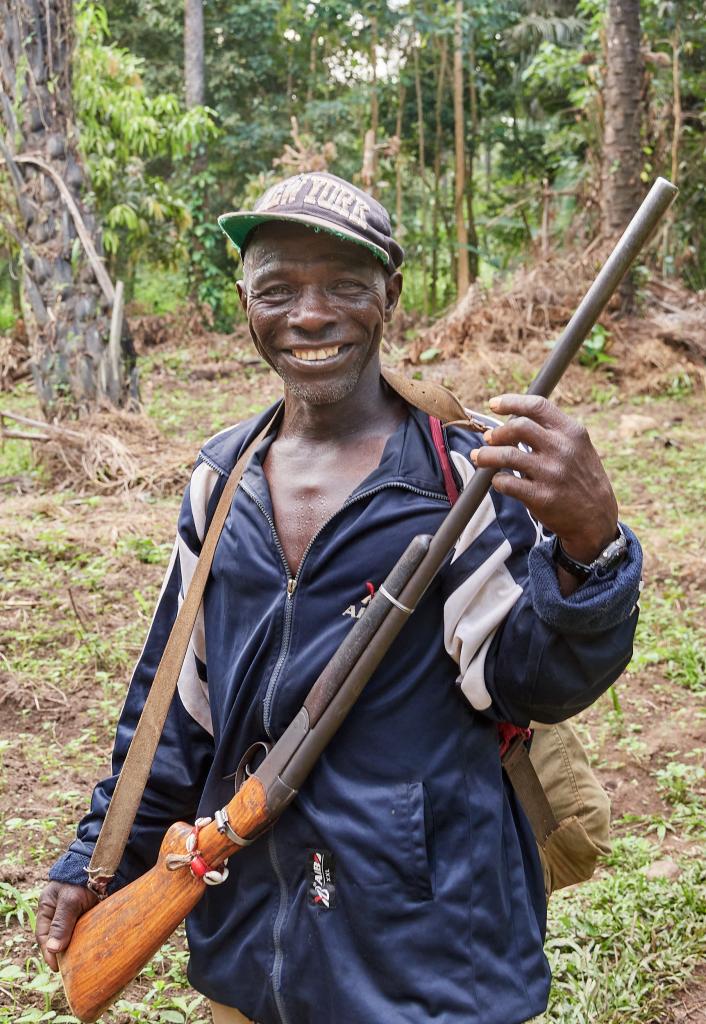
column 433, row 399
column 130, row 786
column 529, row 791
column 443, row 406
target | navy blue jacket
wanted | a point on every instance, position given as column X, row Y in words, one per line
column 403, row 884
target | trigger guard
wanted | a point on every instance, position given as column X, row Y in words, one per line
column 244, row 770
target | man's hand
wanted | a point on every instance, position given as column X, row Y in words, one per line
column 60, row 907
column 563, row 483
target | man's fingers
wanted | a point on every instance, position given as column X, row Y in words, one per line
column 502, row 457
column 45, row 915
column 534, row 406
column 60, row 906
column 519, row 430
column 516, row 487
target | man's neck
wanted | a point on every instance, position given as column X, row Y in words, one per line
column 369, row 408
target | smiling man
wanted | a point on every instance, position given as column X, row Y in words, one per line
column 403, row 885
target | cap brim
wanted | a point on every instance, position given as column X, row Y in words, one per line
column 237, row 226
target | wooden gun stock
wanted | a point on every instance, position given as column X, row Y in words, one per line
column 113, row 941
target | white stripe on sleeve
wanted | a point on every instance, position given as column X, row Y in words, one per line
column 475, row 610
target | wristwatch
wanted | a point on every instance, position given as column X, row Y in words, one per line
column 608, row 559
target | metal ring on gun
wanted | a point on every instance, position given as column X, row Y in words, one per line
column 393, row 600
column 224, row 827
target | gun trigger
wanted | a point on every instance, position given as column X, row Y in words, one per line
column 250, row 762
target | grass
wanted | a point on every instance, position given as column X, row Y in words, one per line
column 620, row 945
column 671, row 635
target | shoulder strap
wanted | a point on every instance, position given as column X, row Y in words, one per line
column 432, row 398
column 133, row 777
column 437, row 433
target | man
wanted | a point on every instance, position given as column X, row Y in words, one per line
column 403, row 884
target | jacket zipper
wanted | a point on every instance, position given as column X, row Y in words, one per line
column 214, row 467
column 292, row 581
column 280, row 918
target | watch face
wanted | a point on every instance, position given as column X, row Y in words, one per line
column 613, row 554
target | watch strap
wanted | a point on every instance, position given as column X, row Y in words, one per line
column 612, row 555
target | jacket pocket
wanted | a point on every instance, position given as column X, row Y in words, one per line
column 384, row 838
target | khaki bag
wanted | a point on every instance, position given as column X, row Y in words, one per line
column 580, row 804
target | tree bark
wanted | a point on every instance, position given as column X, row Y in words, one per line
column 401, row 92
column 473, row 258
column 621, row 187
column 422, row 176
column 66, row 293
column 438, row 141
column 194, row 77
column 462, row 269
column 370, row 161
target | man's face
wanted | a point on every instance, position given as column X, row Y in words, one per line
column 316, row 306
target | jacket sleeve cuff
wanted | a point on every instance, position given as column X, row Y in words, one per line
column 71, row 868
column 603, row 601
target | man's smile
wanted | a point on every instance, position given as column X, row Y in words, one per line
column 327, row 354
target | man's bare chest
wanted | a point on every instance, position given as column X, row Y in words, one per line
column 308, row 491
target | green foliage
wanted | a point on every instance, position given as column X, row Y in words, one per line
column 594, row 351
column 146, row 550
column 681, row 783
column 535, row 83
column 139, row 148
column 671, row 635
column 662, row 929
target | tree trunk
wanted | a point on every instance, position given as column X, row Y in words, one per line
column 313, row 43
column 194, row 77
column 621, row 187
column 462, row 270
column 67, row 296
column 473, row 258
column 370, row 152
column 422, row 176
column 401, row 92
column 438, row 141
column 471, row 229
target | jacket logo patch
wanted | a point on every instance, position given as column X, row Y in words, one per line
column 321, row 873
column 356, row 611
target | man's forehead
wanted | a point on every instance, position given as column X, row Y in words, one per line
column 279, row 242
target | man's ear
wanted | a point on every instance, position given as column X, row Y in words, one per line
column 393, row 290
column 242, row 295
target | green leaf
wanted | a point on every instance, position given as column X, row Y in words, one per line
column 429, row 355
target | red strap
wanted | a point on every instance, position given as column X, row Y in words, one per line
column 437, row 434
column 506, row 734
column 506, row 731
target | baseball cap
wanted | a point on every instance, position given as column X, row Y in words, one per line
column 323, row 202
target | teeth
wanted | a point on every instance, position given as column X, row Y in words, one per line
column 310, row 354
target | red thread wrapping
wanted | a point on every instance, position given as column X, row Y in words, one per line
column 199, row 867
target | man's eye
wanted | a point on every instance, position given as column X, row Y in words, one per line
column 347, row 285
column 275, row 291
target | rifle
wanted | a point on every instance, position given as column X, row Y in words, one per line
column 115, row 939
